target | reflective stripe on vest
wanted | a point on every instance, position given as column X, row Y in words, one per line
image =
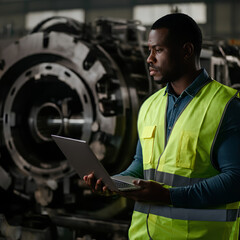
column 170, row 179
column 218, row 215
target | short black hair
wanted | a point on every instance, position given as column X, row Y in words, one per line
column 182, row 28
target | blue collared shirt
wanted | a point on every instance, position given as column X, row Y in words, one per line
column 222, row 188
column 177, row 104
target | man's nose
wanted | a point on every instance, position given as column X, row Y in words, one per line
column 150, row 58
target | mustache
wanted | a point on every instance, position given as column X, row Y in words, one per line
column 151, row 66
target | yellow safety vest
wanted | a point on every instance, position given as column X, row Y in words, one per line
column 183, row 160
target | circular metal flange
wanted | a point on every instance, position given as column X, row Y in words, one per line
column 54, row 107
column 51, row 61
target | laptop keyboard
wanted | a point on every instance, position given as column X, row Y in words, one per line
column 120, row 184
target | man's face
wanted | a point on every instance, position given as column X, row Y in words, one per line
column 165, row 58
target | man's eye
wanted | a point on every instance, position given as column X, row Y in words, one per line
column 158, row 50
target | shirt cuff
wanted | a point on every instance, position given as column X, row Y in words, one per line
column 178, row 197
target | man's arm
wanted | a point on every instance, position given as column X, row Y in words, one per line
column 135, row 169
column 149, row 192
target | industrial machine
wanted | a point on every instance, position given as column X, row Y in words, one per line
column 78, row 80
column 85, row 81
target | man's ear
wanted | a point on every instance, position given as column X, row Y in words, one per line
column 188, row 49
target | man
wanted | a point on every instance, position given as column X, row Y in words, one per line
column 189, row 148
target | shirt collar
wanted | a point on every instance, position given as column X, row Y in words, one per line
column 195, row 86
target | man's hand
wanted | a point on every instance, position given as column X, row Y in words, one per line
column 149, row 192
column 96, row 185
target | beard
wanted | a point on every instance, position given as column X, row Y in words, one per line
column 160, row 77
column 163, row 80
column 165, row 77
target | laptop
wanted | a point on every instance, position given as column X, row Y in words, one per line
column 84, row 161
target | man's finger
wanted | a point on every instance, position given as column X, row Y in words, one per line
column 140, row 182
column 91, row 181
column 99, row 185
column 105, row 188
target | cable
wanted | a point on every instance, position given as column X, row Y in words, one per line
column 150, row 238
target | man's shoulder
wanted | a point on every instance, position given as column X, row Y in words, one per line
column 153, row 100
column 222, row 86
column 231, row 120
column 234, row 106
column 157, row 94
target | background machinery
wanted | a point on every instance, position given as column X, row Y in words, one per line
column 85, row 81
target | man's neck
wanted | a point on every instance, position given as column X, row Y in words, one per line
column 180, row 85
